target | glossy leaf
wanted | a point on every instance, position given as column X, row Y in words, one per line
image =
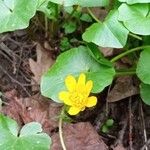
column 144, row 91
column 143, row 66
column 75, row 61
column 95, row 52
column 135, row 18
column 16, row 14
column 110, row 33
column 30, row 137
column 83, row 3
column 135, row 1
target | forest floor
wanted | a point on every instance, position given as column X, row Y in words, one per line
column 23, row 61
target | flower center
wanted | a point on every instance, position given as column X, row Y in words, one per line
column 78, row 99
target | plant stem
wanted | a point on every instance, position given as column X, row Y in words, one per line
column 60, row 130
column 128, row 52
column 125, row 73
column 135, row 36
column 93, row 16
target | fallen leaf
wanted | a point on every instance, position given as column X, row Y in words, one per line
column 99, row 13
column 119, row 147
column 123, row 88
column 79, row 136
column 43, row 63
column 35, row 108
column 107, row 51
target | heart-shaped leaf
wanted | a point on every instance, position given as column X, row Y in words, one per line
column 75, row 61
column 83, row 3
column 16, row 14
column 30, row 137
column 135, row 1
column 143, row 66
column 136, row 18
column 110, row 33
column 144, row 91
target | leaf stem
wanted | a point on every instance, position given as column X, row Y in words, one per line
column 135, row 36
column 93, row 16
column 60, row 130
column 125, row 73
column 128, row 52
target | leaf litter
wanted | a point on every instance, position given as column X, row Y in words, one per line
column 81, row 135
column 41, row 65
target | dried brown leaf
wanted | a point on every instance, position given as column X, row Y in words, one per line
column 119, row 147
column 79, row 136
column 123, row 88
column 43, row 63
column 107, row 52
column 35, row 108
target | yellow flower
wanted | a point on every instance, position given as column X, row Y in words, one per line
column 77, row 96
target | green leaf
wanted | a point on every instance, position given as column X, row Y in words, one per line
column 136, row 18
column 75, row 61
column 86, row 17
column 85, row 3
column 105, row 129
column 30, row 137
column 30, row 129
column 65, row 44
column 110, row 33
column 8, row 125
column 135, row 1
column 143, row 66
column 49, row 9
column 69, row 27
column 144, row 91
column 16, row 14
column 109, row 122
column 94, row 51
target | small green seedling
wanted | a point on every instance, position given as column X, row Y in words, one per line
column 107, row 125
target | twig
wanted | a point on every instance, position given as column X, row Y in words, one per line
column 60, row 130
column 100, row 118
column 143, row 124
column 20, row 84
column 4, row 37
column 46, row 26
column 107, row 105
column 8, row 51
column 145, row 145
column 121, row 133
column 130, row 125
column 2, row 53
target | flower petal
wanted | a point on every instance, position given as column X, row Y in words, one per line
column 74, row 110
column 83, row 108
column 81, row 83
column 89, row 86
column 81, row 79
column 91, row 101
column 64, row 96
column 70, row 82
